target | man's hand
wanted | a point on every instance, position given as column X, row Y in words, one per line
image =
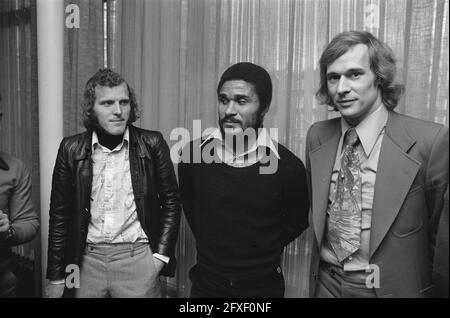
column 54, row 290
column 4, row 222
column 159, row 264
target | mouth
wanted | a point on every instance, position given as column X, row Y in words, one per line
column 346, row 102
column 230, row 123
column 117, row 123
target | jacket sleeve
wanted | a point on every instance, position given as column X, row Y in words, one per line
column 59, row 215
column 186, row 188
column 295, row 201
column 169, row 198
column 308, row 171
column 440, row 263
column 23, row 217
column 437, row 181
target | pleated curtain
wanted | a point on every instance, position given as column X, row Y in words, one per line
column 18, row 88
column 84, row 54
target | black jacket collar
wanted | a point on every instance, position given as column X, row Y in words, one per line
column 84, row 148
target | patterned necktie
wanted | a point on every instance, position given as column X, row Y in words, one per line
column 344, row 223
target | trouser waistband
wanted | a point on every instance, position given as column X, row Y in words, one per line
column 105, row 248
column 238, row 281
column 356, row 277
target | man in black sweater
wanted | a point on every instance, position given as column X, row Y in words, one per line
column 246, row 199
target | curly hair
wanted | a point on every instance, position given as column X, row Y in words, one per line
column 381, row 59
column 108, row 78
column 253, row 74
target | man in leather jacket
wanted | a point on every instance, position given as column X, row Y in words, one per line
column 115, row 206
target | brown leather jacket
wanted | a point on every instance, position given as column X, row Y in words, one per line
column 155, row 191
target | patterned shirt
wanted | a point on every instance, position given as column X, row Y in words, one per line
column 114, row 215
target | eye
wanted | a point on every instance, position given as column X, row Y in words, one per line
column 124, row 102
column 332, row 78
column 107, row 103
column 223, row 100
column 242, row 101
column 356, row 75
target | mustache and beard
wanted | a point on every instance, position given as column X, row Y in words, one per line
column 257, row 122
column 241, row 140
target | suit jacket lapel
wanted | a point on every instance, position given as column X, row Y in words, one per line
column 322, row 162
column 395, row 174
column 3, row 165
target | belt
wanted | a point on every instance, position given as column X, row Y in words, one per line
column 230, row 281
column 357, row 277
column 105, row 248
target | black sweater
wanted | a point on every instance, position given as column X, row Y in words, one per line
column 242, row 219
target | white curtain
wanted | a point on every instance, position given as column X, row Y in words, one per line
column 83, row 56
column 173, row 53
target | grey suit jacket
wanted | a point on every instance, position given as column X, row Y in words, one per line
column 411, row 180
column 15, row 201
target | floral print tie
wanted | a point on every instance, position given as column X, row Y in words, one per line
column 344, row 223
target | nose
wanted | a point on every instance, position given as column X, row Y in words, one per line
column 117, row 109
column 231, row 108
column 343, row 87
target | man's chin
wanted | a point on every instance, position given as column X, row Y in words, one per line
column 232, row 131
column 116, row 131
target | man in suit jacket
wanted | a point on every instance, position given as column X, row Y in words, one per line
column 19, row 222
column 376, row 179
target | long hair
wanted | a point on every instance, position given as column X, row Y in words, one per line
column 108, row 78
column 381, row 59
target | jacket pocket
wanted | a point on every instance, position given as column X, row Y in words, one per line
column 411, row 217
column 414, row 191
column 427, row 292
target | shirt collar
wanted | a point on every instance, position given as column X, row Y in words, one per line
column 370, row 128
column 263, row 140
column 126, row 139
column 216, row 134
